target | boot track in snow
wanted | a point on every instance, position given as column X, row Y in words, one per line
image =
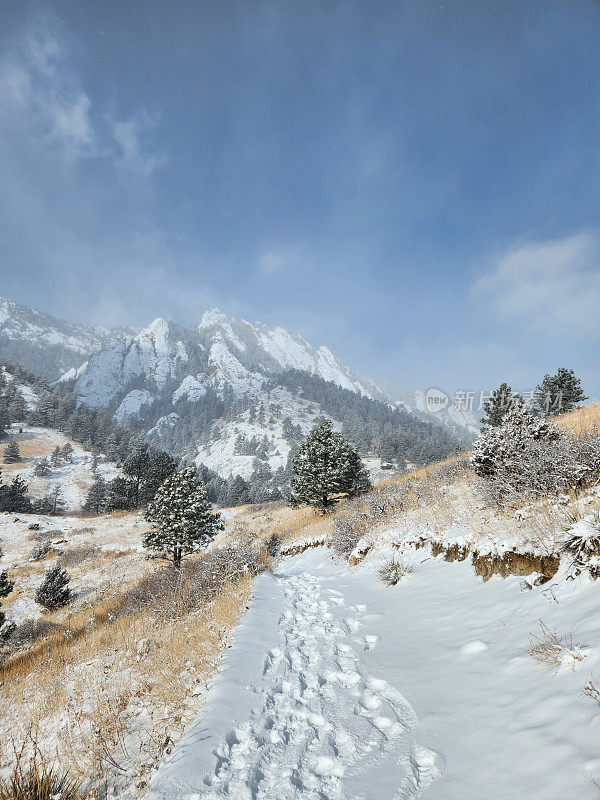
column 322, row 728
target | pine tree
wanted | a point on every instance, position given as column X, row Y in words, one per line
column 559, row 393
column 42, row 468
column 326, row 466
column 136, row 466
column 96, row 496
column 67, row 452
column 158, row 469
column 56, row 499
column 181, row 517
column 6, row 587
column 4, row 421
column 501, row 401
column 54, row 590
column 56, row 457
column 120, row 494
column 11, row 453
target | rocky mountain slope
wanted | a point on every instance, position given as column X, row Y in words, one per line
column 44, row 344
column 232, row 395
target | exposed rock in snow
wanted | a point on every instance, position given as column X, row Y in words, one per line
column 163, row 424
column 190, row 388
column 225, row 368
column 132, row 403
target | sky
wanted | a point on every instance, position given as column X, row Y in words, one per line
column 414, row 184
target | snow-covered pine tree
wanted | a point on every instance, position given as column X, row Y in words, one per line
column 501, row 448
column 181, row 517
column 326, row 466
column 158, row 469
column 67, row 452
column 42, row 468
column 54, row 592
column 11, row 453
column 56, row 457
column 500, row 402
column 559, row 393
column 6, row 587
column 96, row 497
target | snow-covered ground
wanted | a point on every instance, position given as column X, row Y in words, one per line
column 74, row 477
column 339, row 687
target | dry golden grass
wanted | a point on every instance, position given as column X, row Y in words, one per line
column 581, row 420
column 31, row 448
column 104, row 694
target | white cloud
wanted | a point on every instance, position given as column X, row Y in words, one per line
column 284, row 259
column 43, row 100
column 45, row 106
column 552, row 287
column 128, row 136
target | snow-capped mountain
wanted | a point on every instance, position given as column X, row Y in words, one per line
column 44, row 344
column 234, row 395
column 221, row 352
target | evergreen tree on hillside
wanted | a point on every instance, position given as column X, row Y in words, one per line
column 54, row 590
column 501, row 401
column 4, row 421
column 6, row 587
column 158, row 469
column 13, row 496
column 120, row 494
column 181, row 517
column 326, row 466
column 56, row 457
column 56, row 499
column 136, row 466
column 42, row 468
column 11, row 453
column 559, row 393
column 67, row 452
column 96, row 497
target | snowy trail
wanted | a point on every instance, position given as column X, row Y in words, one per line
column 308, row 720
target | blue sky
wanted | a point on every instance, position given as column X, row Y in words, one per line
column 414, row 184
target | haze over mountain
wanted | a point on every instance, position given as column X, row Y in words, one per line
column 232, row 395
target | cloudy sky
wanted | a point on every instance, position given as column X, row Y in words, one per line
column 414, row 184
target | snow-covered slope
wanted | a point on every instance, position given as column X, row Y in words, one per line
column 339, row 687
column 44, row 344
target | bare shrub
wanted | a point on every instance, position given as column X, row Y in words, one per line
column 30, row 631
column 393, row 571
column 554, row 651
column 592, row 691
column 171, row 592
column 35, row 782
column 41, row 550
column 77, row 555
column 345, row 536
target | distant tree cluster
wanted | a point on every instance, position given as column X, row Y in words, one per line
column 375, row 427
column 555, row 394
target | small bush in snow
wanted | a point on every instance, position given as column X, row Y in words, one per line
column 553, row 651
column 393, row 571
column 54, row 590
column 38, row 783
column 40, row 551
column 527, row 454
column 582, row 543
column 273, row 545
